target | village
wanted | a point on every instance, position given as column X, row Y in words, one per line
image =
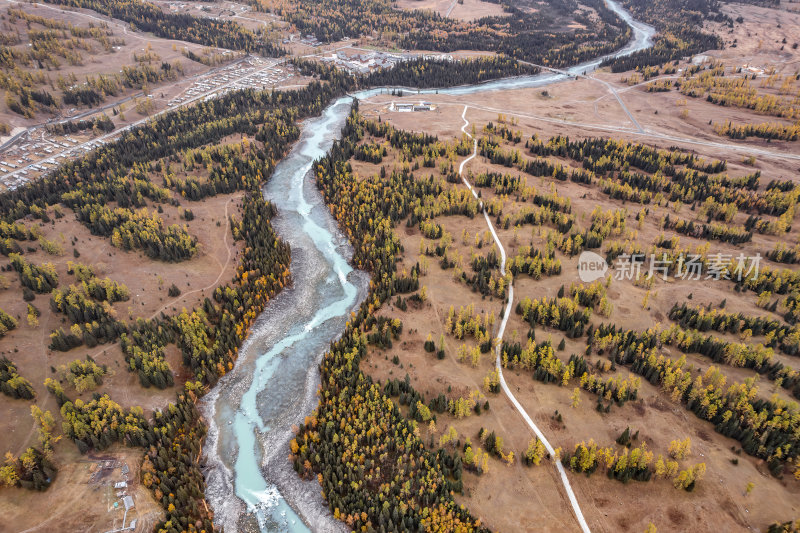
column 253, row 73
column 362, row 61
column 38, row 150
column 114, row 477
column 35, row 156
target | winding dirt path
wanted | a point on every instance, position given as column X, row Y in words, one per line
column 183, row 296
column 221, row 272
column 564, row 480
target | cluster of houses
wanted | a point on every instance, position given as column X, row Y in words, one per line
column 121, row 489
column 403, row 107
column 32, row 157
column 308, row 40
column 248, row 74
column 750, row 69
column 747, row 68
column 364, row 62
column 123, row 501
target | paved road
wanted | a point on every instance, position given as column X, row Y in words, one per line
column 639, row 130
column 610, row 87
column 743, row 148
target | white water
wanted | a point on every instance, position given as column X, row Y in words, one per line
column 272, row 386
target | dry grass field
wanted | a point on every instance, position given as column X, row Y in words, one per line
column 518, row 497
column 95, row 61
column 464, row 10
column 738, row 492
column 82, row 496
column 149, row 282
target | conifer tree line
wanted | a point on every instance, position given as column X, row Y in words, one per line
column 38, row 278
column 791, row 526
column 520, row 34
column 645, row 175
column 209, row 336
column 7, row 323
column 103, row 124
column 149, row 17
column 634, row 463
column 764, row 131
column 680, row 30
column 703, row 319
column 666, row 175
column 88, row 307
column 83, row 375
column 416, row 497
column 92, row 92
column 32, row 470
column 423, row 73
column 427, row 73
column 765, row 428
column 784, row 254
column 738, row 354
column 716, row 231
column 736, row 90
